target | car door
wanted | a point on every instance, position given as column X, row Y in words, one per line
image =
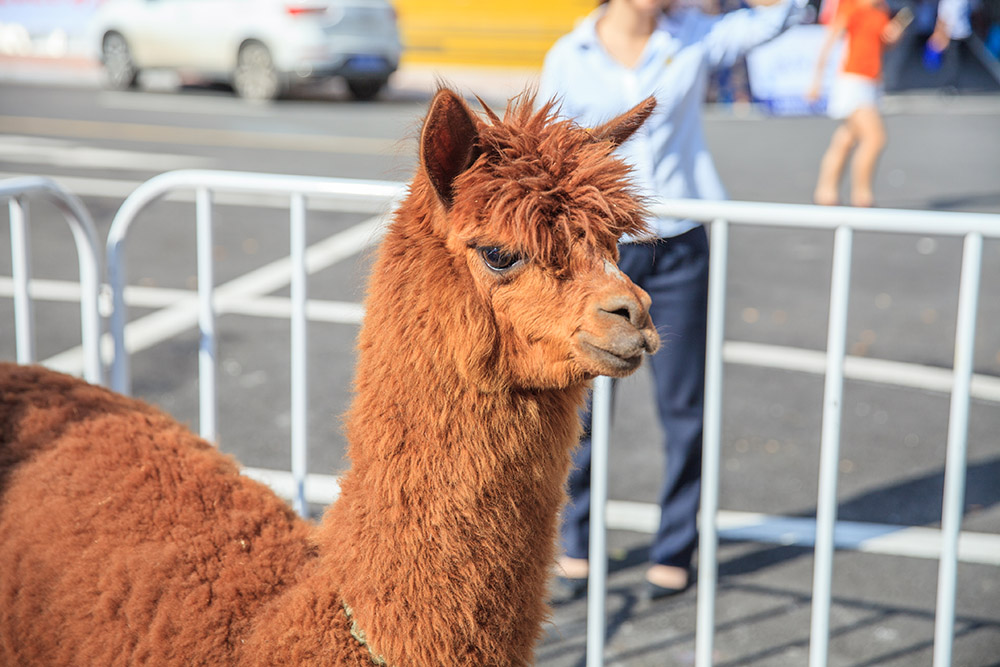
column 151, row 31
column 209, row 28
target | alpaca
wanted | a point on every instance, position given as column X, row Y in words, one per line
column 494, row 300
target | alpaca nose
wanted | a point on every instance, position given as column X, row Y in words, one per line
column 627, row 307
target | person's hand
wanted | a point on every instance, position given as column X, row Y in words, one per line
column 892, row 32
column 894, row 29
column 940, row 38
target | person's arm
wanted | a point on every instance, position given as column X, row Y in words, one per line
column 833, row 32
column 730, row 36
column 952, row 23
column 893, row 30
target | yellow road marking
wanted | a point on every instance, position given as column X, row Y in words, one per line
column 196, row 136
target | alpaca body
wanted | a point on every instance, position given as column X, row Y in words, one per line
column 173, row 551
column 495, row 299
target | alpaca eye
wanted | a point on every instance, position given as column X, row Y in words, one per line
column 498, row 259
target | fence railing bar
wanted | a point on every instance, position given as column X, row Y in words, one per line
column 299, row 371
column 343, row 190
column 708, row 539
column 600, row 444
column 88, row 255
column 826, row 501
column 208, row 344
column 958, row 427
column 766, row 214
column 20, row 257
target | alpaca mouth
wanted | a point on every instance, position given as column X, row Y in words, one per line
column 612, row 363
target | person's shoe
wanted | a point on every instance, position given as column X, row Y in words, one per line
column 571, row 579
column 654, row 592
column 568, row 589
column 669, row 581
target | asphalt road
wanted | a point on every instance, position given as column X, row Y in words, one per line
column 943, row 154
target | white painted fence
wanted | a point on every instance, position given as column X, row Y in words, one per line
column 18, row 191
column 720, row 215
column 206, row 184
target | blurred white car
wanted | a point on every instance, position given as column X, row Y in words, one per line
column 261, row 47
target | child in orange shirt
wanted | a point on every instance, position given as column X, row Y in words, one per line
column 854, row 97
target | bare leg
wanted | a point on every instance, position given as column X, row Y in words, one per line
column 867, row 125
column 667, row 576
column 831, row 167
column 573, row 568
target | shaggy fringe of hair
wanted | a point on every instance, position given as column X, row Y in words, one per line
column 542, row 184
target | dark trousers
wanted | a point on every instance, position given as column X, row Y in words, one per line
column 674, row 272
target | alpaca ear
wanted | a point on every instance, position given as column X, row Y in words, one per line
column 448, row 142
column 617, row 130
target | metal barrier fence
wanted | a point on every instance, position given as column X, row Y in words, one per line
column 974, row 227
column 17, row 190
column 843, row 221
column 205, row 183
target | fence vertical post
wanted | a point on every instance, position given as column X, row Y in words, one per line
column 958, row 426
column 208, row 345
column 299, row 373
column 600, row 437
column 24, row 315
column 708, row 540
column 833, row 393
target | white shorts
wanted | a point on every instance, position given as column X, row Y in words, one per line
column 851, row 92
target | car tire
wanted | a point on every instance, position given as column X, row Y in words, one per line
column 255, row 77
column 119, row 67
column 365, row 90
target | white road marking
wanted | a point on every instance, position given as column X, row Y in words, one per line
column 898, row 373
column 250, row 300
column 197, row 136
column 876, row 538
column 69, row 154
column 182, row 315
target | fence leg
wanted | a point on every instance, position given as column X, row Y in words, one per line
column 299, row 377
column 208, row 348
column 600, row 436
column 958, row 427
column 826, row 504
column 24, row 315
column 708, row 540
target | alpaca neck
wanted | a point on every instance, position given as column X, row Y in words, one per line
column 443, row 537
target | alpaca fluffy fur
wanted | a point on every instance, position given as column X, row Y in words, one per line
column 126, row 539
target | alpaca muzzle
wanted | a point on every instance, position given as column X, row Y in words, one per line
column 621, row 332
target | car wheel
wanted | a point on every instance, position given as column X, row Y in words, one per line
column 121, row 71
column 255, row 77
column 365, row 89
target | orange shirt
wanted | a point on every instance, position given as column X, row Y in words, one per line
column 864, row 24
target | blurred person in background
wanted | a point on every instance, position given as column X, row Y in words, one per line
column 623, row 52
column 946, row 44
column 854, row 97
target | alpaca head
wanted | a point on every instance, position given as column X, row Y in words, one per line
column 530, row 209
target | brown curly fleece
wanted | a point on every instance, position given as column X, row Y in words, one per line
column 125, row 539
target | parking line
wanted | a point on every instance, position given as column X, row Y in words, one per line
column 250, row 300
column 156, row 327
column 196, row 136
column 875, row 538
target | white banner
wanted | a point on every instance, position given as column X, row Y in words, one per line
column 781, row 71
